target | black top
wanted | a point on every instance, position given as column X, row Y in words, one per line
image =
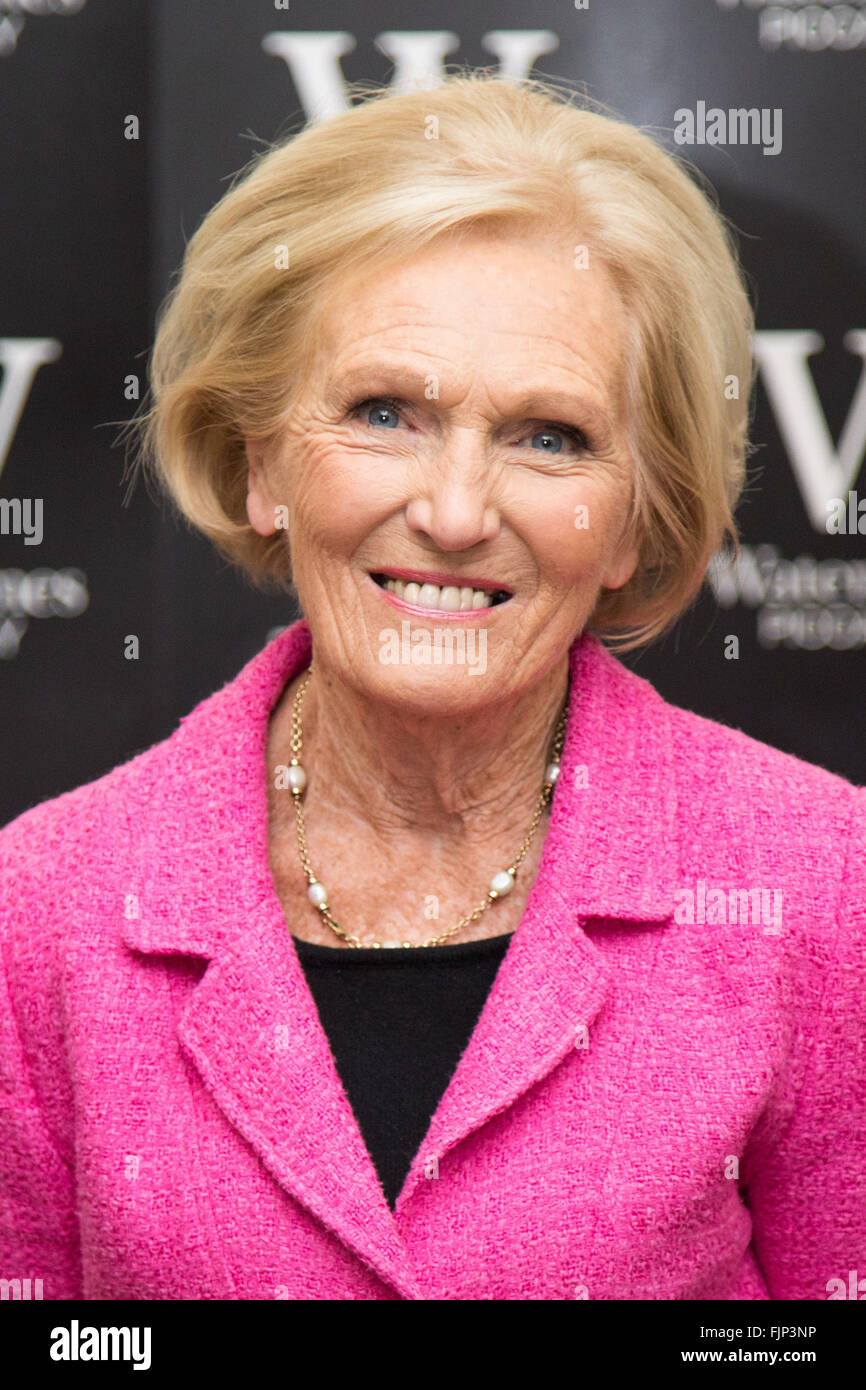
column 398, row 1021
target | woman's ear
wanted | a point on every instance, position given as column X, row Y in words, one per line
column 621, row 572
column 261, row 508
column 623, row 563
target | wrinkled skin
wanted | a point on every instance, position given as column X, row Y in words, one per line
column 423, row 778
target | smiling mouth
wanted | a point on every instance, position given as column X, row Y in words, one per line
column 441, row 598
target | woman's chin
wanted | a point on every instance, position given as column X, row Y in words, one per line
column 434, row 689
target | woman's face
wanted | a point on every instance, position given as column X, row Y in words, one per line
column 461, row 429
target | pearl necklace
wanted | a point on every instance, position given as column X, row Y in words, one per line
column 500, row 884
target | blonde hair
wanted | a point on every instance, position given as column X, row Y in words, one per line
column 236, row 330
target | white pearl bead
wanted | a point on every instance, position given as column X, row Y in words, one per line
column 317, row 894
column 501, row 883
column 297, row 778
column 552, row 772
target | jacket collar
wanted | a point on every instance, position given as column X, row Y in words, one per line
column 203, row 838
column 203, row 887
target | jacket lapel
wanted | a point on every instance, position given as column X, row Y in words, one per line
column 610, row 852
column 253, row 1032
column 251, row 1027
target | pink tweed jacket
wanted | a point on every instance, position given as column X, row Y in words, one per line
column 664, row 1096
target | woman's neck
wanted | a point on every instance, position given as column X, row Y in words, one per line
column 471, row 778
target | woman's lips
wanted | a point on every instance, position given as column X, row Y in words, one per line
column 471, row 581
column 445, row 601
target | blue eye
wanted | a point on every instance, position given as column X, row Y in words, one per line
column 551, row 441
column 379, row 414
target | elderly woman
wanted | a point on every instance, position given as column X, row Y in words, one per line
column 474, row 363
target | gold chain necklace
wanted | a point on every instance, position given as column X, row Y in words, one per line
column 501, row 883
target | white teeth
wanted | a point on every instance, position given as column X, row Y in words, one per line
column 447, row 598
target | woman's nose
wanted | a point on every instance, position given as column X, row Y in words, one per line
column 454, row 508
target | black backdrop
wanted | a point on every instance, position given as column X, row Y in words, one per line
column 95, row 211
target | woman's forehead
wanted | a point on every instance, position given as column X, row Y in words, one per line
column 445, row 311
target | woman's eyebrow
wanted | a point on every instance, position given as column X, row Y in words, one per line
column 546, row 404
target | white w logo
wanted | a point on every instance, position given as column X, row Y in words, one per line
column 20, row 359
column 313, row 59
column 822, row 470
